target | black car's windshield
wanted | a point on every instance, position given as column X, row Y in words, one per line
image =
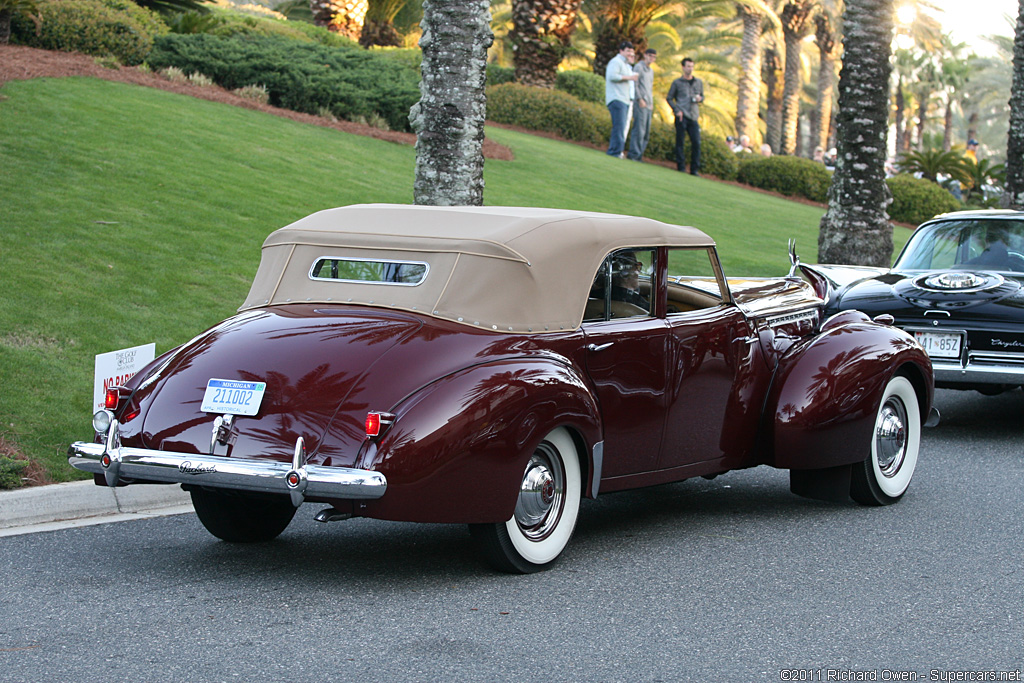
column 984, row 244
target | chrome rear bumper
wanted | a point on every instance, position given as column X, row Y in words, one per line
column 297, row 479
column 979, row 370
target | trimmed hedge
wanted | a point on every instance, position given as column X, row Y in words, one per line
column 496, row 75
column 306, row 77
column 551, row 111
column 236, row 24
column 103, row 28
column 915, row 200
column 791, row 176
column 584, row 85
column 716, row 157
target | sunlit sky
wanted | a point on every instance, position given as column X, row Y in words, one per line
column 970, row 20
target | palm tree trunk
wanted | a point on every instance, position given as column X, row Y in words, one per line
column 541, row 35
column 794, row 27
column 748, row 99
column 856, row 229
column 922, row 119
column 947, row 125
column 771, row 69
column 1014, row 196
column 901, row 106
column 972, row 125
column 449, row 118
column 826, row 81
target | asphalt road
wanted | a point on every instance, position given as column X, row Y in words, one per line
column 733, row 579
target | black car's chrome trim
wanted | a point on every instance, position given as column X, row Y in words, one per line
column 297, row 479
column 977, row 373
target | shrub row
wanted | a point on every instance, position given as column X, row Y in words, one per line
column 581, row 84
column 791, row 176
column 584, row 85
column 104, row 28
column 716, row 158
column 550, row 111
column 915, row 200
column 306, row 77
column 229, row 24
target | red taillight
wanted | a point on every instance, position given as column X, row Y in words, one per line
column 377, row 422
column 372, row 425
column 111, row 399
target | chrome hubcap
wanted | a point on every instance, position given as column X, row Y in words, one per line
column 541, row 494
column 891, row 436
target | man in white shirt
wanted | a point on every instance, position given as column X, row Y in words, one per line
column 619, row 90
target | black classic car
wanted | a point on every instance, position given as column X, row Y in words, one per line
column 957, row 287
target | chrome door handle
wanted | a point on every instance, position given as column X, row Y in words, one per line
column 599, row 347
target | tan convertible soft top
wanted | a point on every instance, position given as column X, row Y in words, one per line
column 502, row 268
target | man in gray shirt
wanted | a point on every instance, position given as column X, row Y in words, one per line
column 644, row 106
column 685, row 96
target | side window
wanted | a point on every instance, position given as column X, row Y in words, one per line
column 692, row 281
column 623, row 286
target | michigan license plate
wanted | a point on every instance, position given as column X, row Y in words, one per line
column 940, row 344
column 231, row 397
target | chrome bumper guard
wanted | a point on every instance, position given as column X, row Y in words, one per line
column 297, row 479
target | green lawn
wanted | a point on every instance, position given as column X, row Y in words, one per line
column 132, row 215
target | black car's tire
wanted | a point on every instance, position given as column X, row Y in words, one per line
column 239, row 518
column 546, row 511
column 884, row 476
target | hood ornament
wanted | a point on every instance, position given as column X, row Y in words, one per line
column 794, row 260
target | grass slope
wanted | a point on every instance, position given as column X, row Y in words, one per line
column 133, row 215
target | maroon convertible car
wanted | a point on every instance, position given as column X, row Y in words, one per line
column 493, row 366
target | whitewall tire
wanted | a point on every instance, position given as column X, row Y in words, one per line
column 545, row 514
column 884, row 476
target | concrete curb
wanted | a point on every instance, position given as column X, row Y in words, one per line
column 61, row 505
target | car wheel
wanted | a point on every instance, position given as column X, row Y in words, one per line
column 545, row 514
column 884, row 476
column 239, row 518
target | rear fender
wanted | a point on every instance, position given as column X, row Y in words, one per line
column 827, row 391
column 457, row 449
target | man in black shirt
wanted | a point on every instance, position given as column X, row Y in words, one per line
column 685, row 96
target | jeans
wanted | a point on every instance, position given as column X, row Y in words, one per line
column 641, row 133
column 689, row 127
column 620, row 113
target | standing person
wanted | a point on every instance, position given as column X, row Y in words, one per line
column 640, row 135
column 685, row 96
column 972, row 150
column 619, row 88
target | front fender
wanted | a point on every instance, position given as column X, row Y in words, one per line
column 827, row 391
column 457, row 449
